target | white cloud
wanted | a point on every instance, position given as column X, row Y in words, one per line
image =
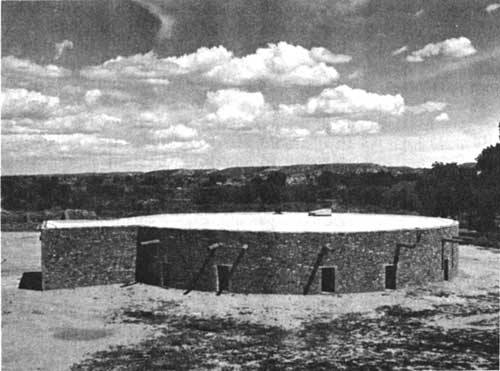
column 400, row 50
column 82, row 139
column 321, row 54
column 179, row 132
column 455, row 47
column 281, row 64
column 234, row 108
column 83, row 122
column 62, row 47
column 24, row 67
column 83, row 143
column 194, row 146
column 442, row 117
column 428, row 106
column 492, row 7
column 68, row 145
column 23, row 126
column 139, row 67
column 419, row 13
column 349, row 127
column 355, row 75
column 21, row 103
column 346, row 100
column 92, row 96
column 294, row 133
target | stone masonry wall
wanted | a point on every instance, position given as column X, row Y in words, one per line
column 282, row 262
column 273, row 262
column 73, row 257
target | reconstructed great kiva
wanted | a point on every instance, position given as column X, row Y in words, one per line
column 290, row 253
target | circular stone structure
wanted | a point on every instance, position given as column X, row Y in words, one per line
column 289, row 253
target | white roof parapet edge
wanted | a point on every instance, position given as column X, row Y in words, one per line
column 292, row 222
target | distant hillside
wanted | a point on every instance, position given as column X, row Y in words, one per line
column 236, row 188
column 365, row 187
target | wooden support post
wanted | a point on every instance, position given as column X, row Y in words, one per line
column 235, row 264
column 194, row 281
column 443, row 244
column 397, row 252
column 324, row 250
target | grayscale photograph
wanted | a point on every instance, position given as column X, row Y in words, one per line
column 250, row 185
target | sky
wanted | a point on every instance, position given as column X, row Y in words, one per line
column 105, row 86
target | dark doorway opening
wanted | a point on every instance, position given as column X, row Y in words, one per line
column 151, row 267
column 390, row 277
column 446, row 270
column 328, row 279
column 223, row 277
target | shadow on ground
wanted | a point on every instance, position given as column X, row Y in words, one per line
column 31, row 281
column 394, row 337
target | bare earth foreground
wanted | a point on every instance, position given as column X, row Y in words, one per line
column 452, row 325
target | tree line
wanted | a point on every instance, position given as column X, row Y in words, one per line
column 470, row 194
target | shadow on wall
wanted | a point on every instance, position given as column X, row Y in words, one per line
column 31, row 281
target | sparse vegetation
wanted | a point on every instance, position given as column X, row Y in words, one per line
column 469, row 192
column 397, row 338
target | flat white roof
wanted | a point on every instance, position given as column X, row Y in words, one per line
column 266, row 222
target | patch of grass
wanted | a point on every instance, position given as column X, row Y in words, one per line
column 150, row 317
column 404, row 313
column 80, row 334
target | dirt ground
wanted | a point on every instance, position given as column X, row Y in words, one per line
column 448, row 325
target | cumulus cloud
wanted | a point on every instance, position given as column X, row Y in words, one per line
column 454, row 47
column 140, row 67
column 321, row 54
column 281, row 64
column 84, row 143
column 234, row 108
column 179, row 132
column 349, row 127
column 442, row 117
column 400, row 50
column 83, row 122
column 92, row 96
column 25, row 67
column 82, row 139
column 346, row 100
column 428, row 106
column 492, row 7
column 22, row 103
column 194, row 146
column 16, row 126
column 62, row 47
column 68, row 145
column 355, row 75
